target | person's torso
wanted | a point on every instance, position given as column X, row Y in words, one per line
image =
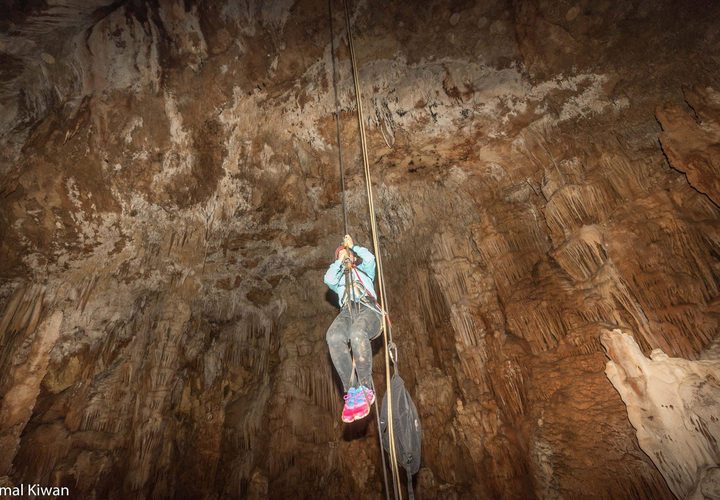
column 361, row 288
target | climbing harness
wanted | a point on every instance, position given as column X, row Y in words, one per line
column 357, row 284
column 349, row 298
column 378, row 303
column 368, row 298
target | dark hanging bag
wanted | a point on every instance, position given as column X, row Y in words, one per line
column 406, row 427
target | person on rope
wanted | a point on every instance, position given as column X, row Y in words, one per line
column 351, row 277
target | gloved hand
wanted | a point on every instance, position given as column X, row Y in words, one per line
column 342, row 255
column 347, row 241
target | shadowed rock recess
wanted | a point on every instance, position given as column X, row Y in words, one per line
column 547, row 175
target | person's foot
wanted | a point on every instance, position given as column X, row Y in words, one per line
column 369, row 394
column 362, row 410
column 350, row 410
column 357, row 404
column 364, row 397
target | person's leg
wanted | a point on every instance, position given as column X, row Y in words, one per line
column 337, row 340
column 365, row 324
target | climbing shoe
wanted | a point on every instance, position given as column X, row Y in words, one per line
column 350, row 409
column 368, row 394
column 363, row 402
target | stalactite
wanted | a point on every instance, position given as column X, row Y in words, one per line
column 693, row 326
column 625, row 299
column 87, row 290
column 574, row 206
column 508, row 388
column 252, row 422
column 473, row 363
column 582, row 255
column 19, row 321
column 629, row 179
column 453, row 281
column 283, row 456
column 689, row 246
column 512, row 269
column 596, row 308
column 539, row 322
column 252, row 343
column 464, row 326
column 317, row 385
column 511, row 255
column 434, row 305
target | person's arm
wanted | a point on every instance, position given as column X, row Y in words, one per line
column 333, row 275
column 368, row 261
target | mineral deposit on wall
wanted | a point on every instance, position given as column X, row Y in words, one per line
column 545, row 173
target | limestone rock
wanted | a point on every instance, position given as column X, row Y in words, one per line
column 691, row 139
column 672, row 403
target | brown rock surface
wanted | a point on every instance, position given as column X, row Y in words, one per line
column 691, row 139
column 169, row 189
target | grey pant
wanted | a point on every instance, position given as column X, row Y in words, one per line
column 357, row 333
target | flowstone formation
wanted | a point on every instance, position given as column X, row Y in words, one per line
column 545, row 173
column 672, row 402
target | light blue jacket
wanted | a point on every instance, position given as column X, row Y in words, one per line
column 365, row 272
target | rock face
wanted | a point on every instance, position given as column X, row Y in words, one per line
column 672, row 403
column 545, row 172
column 691, row 139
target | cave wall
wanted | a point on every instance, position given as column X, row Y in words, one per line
column 545, row 173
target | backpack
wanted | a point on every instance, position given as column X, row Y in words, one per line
column 406, row 428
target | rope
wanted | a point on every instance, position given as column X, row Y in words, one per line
column 387, row 333
column 349, row 292
column 348, row 285
column 337, row 119
column 382, row 455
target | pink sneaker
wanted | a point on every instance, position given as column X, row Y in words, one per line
column 369, row 394
column 364, row 397
column 362, row 410
column 351, row 407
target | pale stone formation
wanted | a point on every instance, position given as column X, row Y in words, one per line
column 674, row 404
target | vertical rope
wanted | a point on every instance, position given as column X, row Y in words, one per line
column 378, row 257
column 337, row 120
column 382, row 453
column 345, row 221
